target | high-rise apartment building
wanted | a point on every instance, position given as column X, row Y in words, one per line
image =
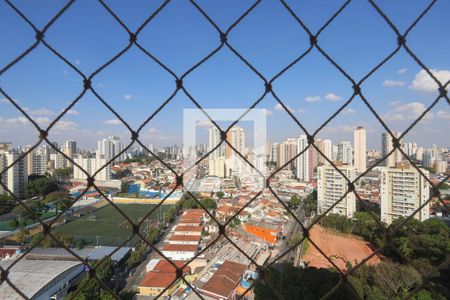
column 303, row 160
column 275, row 154
column 331, row 186
column 216, row 159
column 387, row 146
column 16, row 176
column 402, row 191
column 345, row 153
column 110, row 147
column 91, row 165
column 213, row 140
column 288, row 150
column 313, row 156
column 326, row 147
column 236, row 137
column 70, row 149
column 5, row 146
column 360, row 155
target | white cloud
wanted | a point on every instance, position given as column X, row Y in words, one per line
column 42, row 112
column 77, row 62
column 301, row 110
column 442, row 114
column 156, row 134
column 348, row 111
column 4, row 100
column 394, row 103
column 424, row 83
column 14, row 121
column 312, row 99
column 409, row 111
column 42, row 121
column 128, row 97
column 73, row 112
column 332, row 97
column 402, row 71
column 112, row 122
column 62, row 125
column 279, row 107
column 393, row 83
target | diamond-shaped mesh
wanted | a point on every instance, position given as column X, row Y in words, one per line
column 180, row 88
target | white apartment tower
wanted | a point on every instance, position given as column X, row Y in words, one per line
column 287, row 151
column 386, row 147
column 216, row 159
column 91, row 165
column 109, row 148
column 402, row 191
column 303, row 159
column 327, row 151
column 359, row 141
column 345, row 153
column 236, row 137
column 331, row 186
column 15, row 177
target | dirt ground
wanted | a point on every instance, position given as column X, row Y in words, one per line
column 339, row 248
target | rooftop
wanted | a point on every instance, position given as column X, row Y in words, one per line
column 177, row 247
column 189, row 238
column 189, row 228
column 30, row 276
column 160, row 280
column 225, row 279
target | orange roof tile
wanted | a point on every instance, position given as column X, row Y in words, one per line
column 180, row 247
column 160, row 280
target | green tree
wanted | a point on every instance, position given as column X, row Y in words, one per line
column 284, row 281
column 124, row 187
column 220, row 195
column 23, row 235
column 209, row 203
column 310, row 203
column 294, row 201
column 7, row 204
column 64, row 173
column 90, row 288
column 40, row 186
column 60, row 199
column 13, row 223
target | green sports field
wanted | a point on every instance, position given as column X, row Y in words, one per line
column 108, row 225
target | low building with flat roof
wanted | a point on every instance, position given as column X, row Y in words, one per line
column 39, row 279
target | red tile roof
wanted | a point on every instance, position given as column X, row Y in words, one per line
column 160, row 280
column 180, row 247
column 225, row 280
column 191, row 238
column 163, row 266
column 189, row 228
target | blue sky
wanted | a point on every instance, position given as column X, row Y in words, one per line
column 180, row 36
